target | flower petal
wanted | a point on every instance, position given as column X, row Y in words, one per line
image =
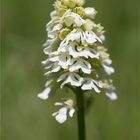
column 48, row 83
column 87, row 86
column 55, row 113
column 91, row 37
column 64, row 61
column 90, row 12
column 49, row 45
column 55, row 68
column 58, row 104
column 45, row 94
column 61, row 117
column 74, row 35
column 111, row 93
column 72, row 78
column 109, row 70
column 91, row 84
column 62, row 77
column 112, row 96
column 54, row 59
column 81, row 64
column 80, row 51
column 72, row 18
column 92, row 53
column 53, row 14
column 71, row 112
column 106, row 65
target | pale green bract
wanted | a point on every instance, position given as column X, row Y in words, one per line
column 75, row 53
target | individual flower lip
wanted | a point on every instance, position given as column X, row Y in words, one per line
column 81, row 64
column 80, row 51
column 92, row 84
column 49, row 45
column 53, row 27
column 110, row 93
column 91, row 37
column 112, row 96
column 71, row 78
column 106, row 65
column 61, row 114
column 53, row 69
column 63, row 60
column 46, row 93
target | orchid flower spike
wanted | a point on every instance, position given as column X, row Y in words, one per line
column 75, row 55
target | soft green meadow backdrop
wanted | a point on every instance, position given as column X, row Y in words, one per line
column 24, row 116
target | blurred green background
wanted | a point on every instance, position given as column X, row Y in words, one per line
column 24, row 116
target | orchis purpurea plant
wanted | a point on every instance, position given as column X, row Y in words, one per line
column 76, row 58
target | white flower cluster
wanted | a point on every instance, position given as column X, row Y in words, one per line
column 75, row 54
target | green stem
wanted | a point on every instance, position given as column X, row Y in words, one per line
column 80, row 113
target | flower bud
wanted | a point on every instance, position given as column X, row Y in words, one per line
column 68, row 21
column 63, row 33
column 60, row 8
column 80, row 2
column 80, row 11
column 90, row 12
column 88, row 25
column 69, row 3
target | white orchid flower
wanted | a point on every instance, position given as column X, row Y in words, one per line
column 71, row 78
column 106, row 65
column 46, row 93
column 81, row 64
column 92, row 84
column 67, row 108
column 111, row 93
column 70, row 18
column 81, row 51
column 90, row 12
